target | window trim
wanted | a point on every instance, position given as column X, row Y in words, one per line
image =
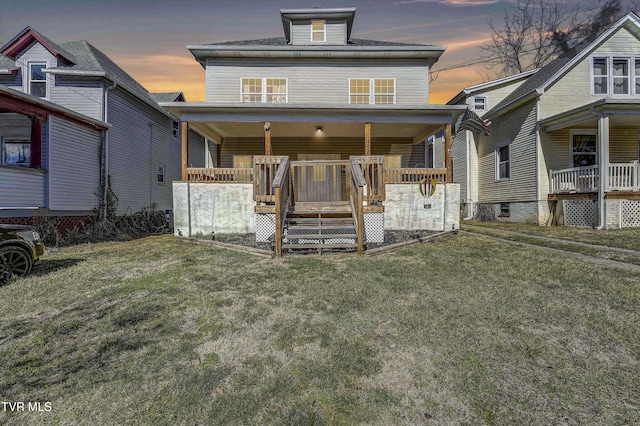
column 484, row 98
column 263, row 90
column 372, row 88
column 574, row 132
column 163, row 174
column 324, row 30
column 609, row 58
column 46, row 79
column 497, row 161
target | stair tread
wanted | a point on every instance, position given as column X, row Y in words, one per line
column 320, row 236
column 319, row 227
column 324, row 246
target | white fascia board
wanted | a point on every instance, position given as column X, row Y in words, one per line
column 83, row 73
column 504, row 80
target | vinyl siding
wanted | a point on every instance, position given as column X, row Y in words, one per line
column 459, row 159
column 140, row 139
column 324, row 81
column 335, row 33
column 293, row 146
column 518, row 127
column 83, row 96
column 36, row 53
column 494, row 96
column 18, row 125
column 74, row 171
column 196, row 154
column 573, row 90
column 21, row 187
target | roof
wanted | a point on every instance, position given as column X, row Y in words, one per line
column 168, row 97
column 489, row 85
column 282, row 41
column 553, row 70
column 7, row 65
column 17, row 101
column 27, row 36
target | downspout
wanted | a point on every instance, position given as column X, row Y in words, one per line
column 469, row 198
column 106, row 152
column 603, row 167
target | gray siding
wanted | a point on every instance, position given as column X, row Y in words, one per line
column 140, row 140
column 83, row 96
column 36, row 53
column 21, row 187
column 18, row 125
column 324, row 81
column 74, row 166
column 459, row 159
column 518, row 127
column 196, row 154
column 336, row 33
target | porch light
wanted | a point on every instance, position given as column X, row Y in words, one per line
column 319, row 129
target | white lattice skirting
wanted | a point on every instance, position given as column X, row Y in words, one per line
column 374, row 227
column 265, row 227
column 630, row 214
column 580, row 212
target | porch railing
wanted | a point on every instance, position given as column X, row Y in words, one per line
column 357, row 183
column 282, row 188
column 220, row 175
column 373, row 172
column 265, row 168
column 622, row 177
column 320, row 180
column 413, row 175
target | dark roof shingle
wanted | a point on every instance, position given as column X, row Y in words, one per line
column 282, row 41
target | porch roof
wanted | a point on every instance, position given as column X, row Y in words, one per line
column 624, row 111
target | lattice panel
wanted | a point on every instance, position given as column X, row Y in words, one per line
column 630, row 214
column 374, row 227
column 265, row 227
column 579, row 212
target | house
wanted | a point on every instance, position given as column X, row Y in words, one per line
column 133, row 146
column 312, row 126
column 553, row 135
column 480, row 99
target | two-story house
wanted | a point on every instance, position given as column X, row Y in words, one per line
column 54, row 166
column 319, row 101
column 563, row 146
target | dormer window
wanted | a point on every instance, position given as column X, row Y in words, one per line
column 318, row 30
column 38, row 80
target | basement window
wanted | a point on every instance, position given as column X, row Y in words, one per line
column 505, row 210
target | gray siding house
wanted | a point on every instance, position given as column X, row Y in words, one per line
column 315, row 100
column 137, row 146
column 563, row 146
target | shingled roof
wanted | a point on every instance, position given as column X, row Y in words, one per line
column 168, row 97
column 282, row 41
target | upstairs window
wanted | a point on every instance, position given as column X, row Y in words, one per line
column 615, row 75
column 503, row 161
column 600, row 76
column 480, row 103
column 318, row 30
column 372, row 91
column 264, row 90
column 37, row 80
column 621, row 76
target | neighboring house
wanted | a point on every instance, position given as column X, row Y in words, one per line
column 314, row 99
column 139, row 148
column 553, row 135
column 480, row 99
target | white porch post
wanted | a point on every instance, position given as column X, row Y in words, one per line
column 603, row 166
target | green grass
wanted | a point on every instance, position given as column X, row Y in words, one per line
column 462, row 331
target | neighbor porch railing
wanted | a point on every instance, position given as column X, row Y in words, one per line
column 622, row 177
column 220, row 175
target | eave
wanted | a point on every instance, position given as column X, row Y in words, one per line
column 607, row 107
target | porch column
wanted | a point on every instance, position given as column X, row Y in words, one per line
column 185, row 150
column 267, row 138
column 367, row 138
column 36, row 143
column 603, row 165
column 447, row 152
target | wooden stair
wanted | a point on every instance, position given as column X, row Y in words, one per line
column 305, row 231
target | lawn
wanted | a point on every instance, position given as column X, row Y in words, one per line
column 466, row 330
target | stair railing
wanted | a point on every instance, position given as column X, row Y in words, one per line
column 283, row 191
column 356, row 198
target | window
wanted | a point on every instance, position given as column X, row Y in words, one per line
column 637, row 75
column 583, row 148
column 16, row 152
column 161, row 178
column 176, row 128
column 615, row 75
column 600, row 76
column 318, row 30
column 480, row 103
column 264, row 90
column 38, row 80
column 621, row 76
column 503, row 161
column 505, row 210
column 372, row 91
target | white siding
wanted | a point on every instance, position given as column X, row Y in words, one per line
column 459, row 159
column 518, row 127
column 21, row 187
column 573, row 90
column 323, row 81
column 140, row 139
column 83, row 96
column 74, row 166
column 336, row 33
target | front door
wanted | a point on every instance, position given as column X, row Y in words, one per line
column 320, row 182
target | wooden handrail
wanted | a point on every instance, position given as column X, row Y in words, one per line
column 356, row 198
column 282, row 189
column 219, row 175
column 283, row 169
column 413, row 175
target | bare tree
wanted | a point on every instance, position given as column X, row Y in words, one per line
column 535, row 32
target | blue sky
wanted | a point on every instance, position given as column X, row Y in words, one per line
column 148, row 37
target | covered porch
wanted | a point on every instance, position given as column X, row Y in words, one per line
column 327, row 168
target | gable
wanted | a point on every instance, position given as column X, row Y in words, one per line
column 27, row 38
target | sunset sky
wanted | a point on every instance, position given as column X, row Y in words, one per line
column 148, row 38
